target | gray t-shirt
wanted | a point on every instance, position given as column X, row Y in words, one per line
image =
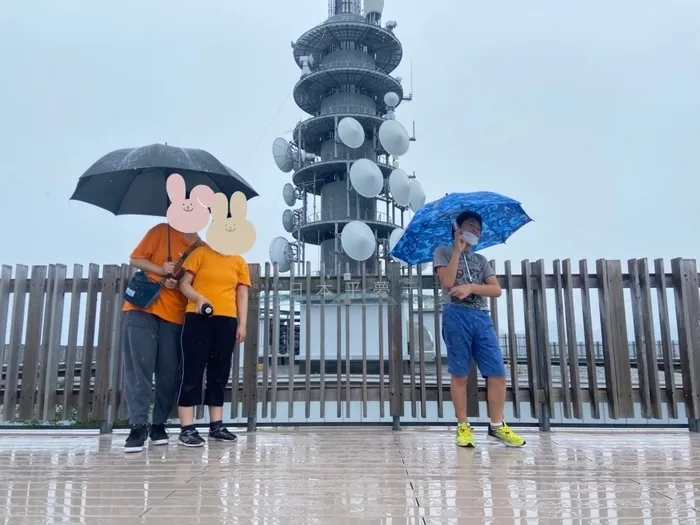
column 477, row 272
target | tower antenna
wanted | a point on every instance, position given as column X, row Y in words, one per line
column 343, row 156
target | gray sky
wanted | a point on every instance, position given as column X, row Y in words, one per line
column 587, row 112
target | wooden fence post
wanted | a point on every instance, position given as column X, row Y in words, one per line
column 112, row 394
column 16, row 328
column 87, row 354
column 250, row 349
column 530, row 339
column 396, row 392
column 5, row 280
column 685, row 287
column 105, row 348
column 45, row 338
column 55, row 321
column 543, row 361
column 667, row 344
column 32, row 343
column 613, row 323
column 72, row 347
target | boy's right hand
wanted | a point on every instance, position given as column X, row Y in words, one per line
column 460, row 244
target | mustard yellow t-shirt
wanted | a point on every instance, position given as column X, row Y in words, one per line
column 216, row 278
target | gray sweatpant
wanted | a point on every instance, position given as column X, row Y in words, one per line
column 151, row 346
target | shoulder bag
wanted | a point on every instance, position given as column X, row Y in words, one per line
column 142, row 291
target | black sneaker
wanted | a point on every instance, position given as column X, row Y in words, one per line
column 220, row 433
column 158, row 435
column 137, row 438
column 190, row 438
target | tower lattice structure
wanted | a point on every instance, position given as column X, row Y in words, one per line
column 346, row 67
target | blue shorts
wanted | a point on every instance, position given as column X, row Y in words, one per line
column 469, row 334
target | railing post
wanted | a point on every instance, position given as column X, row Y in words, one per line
column 396, row 390
column 685, row 288
column 250, row 350
column 543, row 417
column 102, row 410
column 541, row 336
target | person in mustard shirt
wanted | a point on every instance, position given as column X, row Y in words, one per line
column 220, row 282
column 216, row 282
column 151, row 338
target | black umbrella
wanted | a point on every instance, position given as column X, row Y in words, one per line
column 132, row 181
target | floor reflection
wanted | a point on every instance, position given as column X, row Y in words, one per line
column 353, row 476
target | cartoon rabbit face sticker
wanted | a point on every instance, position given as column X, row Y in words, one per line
column 230, row 235
column 188, row 215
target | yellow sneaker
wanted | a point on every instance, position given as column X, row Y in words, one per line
column 465, row 438
column 505, row 435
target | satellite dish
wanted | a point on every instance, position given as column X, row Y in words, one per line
column 351, row 132
column 288, row 220
column 394, row 138
column 391, row 99
column 400, row 187
column 413, row 329
column 289, row 194
column 417, row 195
column 283, row 157
column 374, row 6
column 366, row 178
column 394, row 237
column 281, row 253
column 358, row 240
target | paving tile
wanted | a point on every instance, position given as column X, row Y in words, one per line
column 412, row 477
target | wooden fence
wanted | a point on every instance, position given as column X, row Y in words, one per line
column 596, row 341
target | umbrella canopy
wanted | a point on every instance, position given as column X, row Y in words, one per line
column 431, row 226
column 132, row 181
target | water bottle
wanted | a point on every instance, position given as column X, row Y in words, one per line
column 207, row 310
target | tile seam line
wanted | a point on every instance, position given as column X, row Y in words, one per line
column 413, row 489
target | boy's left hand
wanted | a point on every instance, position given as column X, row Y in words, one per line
column 462, row 291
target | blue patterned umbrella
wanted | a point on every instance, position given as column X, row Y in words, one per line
column 432, row 225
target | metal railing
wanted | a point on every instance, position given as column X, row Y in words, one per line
column 613, row 342
column 340, row 215
column 344, row 109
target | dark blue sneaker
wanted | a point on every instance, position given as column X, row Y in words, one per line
column 220, row 433
column 190, row 438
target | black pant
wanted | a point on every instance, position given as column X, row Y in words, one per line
column 207, row 342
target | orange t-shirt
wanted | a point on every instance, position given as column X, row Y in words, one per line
column 216, row 278
column 170, row 304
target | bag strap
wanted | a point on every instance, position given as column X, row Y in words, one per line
column 196, row 244
column 178, row 265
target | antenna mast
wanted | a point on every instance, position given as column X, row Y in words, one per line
column 346, row 151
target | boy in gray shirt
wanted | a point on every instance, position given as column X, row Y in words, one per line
column 467, row 280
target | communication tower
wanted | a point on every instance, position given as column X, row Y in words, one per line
column 346, row 185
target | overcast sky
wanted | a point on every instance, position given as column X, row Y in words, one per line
column 588, row 112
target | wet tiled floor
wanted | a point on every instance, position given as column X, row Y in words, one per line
column 353, row 476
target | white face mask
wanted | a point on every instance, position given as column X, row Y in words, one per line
column 470, row 238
